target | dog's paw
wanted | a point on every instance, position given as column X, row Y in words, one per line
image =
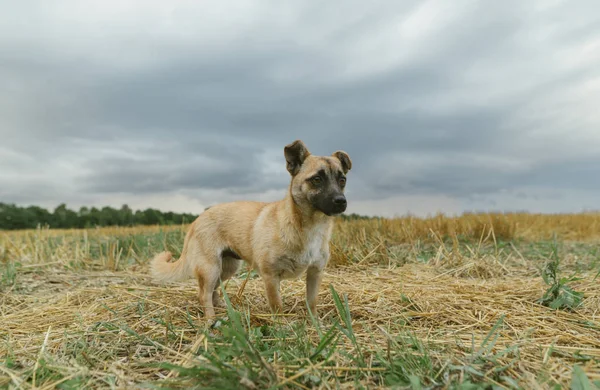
column 210, row 322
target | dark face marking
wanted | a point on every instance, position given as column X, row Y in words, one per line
column 318, row 183
column 326, row 192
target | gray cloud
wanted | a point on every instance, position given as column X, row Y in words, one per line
column 427, row 100
column 214, row 166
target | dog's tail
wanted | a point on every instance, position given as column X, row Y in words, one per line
column 163, row 270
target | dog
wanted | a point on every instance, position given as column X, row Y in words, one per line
column 280, row 240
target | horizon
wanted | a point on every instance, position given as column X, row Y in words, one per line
column 343, row 215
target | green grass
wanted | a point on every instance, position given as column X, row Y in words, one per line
column 559, row 295
column 127, row 334
column 8, row 275
column 240, row 356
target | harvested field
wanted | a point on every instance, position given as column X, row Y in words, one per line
column 408, row 303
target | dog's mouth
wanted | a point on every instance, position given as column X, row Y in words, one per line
column 334, row 209
column 330, row 205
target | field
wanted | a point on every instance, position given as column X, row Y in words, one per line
column 478, row 301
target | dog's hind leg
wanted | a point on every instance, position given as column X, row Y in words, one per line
column 230, row 266
column 208, row 279
column 207, row 268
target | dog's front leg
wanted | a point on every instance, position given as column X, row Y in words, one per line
column 272, row 283
column 314, row 275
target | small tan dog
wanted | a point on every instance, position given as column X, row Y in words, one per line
column 280, row 240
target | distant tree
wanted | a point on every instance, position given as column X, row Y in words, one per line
column 64, row 218
column 354, row 216
column 38, row 216
column 83, row 216
column 15, row 217
column 94, row 218
column 152, row 217
column 126, row 216
column 11, row 217
column 109, row 216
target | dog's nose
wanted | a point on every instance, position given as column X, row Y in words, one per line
column 339, row 200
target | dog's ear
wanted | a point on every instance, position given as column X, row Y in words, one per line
column 344, row 159
column 295, row 154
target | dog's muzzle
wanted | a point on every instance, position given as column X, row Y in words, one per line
column 339, row 204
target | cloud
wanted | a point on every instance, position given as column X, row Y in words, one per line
column 108, row 101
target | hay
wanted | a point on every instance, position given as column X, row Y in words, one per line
column 83, row 305
column 441, row 310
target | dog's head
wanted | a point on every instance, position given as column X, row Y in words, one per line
column 318, row 182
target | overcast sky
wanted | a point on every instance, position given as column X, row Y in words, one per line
column 442, row 105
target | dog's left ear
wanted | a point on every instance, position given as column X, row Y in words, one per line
column 344, row 159
column 295, row 154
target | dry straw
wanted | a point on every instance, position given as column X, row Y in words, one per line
column 449, row 301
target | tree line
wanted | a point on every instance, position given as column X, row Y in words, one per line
column 15, row 217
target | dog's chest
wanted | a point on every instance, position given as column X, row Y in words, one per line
column 312, row 254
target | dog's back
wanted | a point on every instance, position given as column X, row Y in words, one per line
column 229, row 226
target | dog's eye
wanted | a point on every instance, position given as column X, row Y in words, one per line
column 316, row 180
column 342, row 181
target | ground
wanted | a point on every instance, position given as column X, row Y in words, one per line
column 79, row 310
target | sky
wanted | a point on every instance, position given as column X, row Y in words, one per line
column 443, row 106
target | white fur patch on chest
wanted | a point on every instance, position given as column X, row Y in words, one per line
column 316, row 237
column 293, row 266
